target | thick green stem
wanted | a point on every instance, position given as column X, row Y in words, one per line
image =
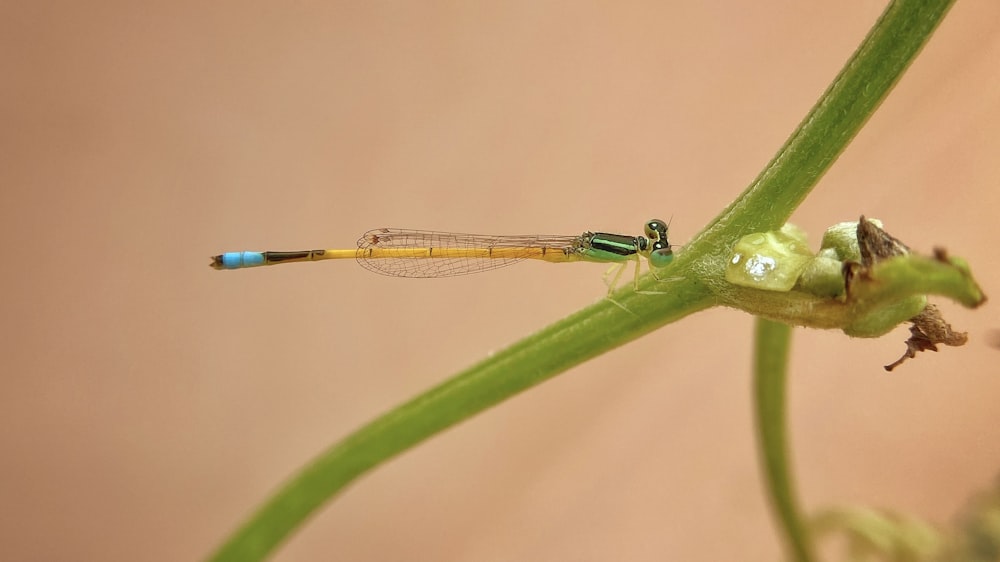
column 545, row 354
column 862, row 85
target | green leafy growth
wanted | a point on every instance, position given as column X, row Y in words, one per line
column 693, row 282
column 870, row 534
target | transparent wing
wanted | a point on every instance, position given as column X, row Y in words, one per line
column 423, row 253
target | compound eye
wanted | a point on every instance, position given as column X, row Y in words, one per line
column 661, row 258
column 656, row 230
column 661, row 255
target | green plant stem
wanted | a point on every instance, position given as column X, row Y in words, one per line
column 864, row 82
column 569, row 342
column 770, row 375
column 692, row 284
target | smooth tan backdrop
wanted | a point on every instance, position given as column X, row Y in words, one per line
column 149, row 403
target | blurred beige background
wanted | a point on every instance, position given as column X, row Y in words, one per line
column 149, row 402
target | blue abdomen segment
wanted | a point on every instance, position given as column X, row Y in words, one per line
column 237, row 260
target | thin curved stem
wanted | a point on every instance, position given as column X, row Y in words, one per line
column 770, row 377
